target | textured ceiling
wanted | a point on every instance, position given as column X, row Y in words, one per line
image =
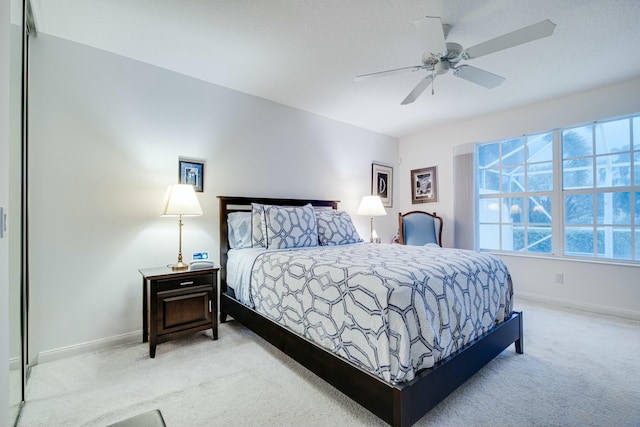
column 305, row 53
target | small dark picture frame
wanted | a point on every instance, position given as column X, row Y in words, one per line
column 424, row 185
column 382, row 183
column 191, row 172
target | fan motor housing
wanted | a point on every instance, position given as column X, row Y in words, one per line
column 453, row 49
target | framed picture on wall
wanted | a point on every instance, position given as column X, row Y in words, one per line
column 382, row 183
column 191, row 172
column 424, row 185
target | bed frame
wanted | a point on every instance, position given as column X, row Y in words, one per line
column 398, row 405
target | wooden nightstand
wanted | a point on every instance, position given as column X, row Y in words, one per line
column 178, row 303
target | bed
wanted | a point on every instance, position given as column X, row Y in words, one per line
column 397, row 372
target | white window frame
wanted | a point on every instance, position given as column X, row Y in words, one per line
column 558, row 193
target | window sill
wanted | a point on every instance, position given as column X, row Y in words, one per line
column 619, row 263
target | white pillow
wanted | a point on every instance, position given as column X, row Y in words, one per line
column 239, row 224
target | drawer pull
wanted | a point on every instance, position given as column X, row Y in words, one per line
column 186, row 283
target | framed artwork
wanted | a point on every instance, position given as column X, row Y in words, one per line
column 191, row 172
column 382, row 183
column 424, row 185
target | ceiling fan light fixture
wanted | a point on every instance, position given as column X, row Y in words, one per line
column 441, row 67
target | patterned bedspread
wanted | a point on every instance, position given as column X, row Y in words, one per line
column 391, row 309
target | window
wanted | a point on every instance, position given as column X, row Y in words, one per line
column 573, row 192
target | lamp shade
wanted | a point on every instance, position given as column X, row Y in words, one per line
column 181, row 199
column 371, row 206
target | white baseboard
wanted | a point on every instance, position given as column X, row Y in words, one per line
column 72, row 350
column 600, row 309
column 132, row 337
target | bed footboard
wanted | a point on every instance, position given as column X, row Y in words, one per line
column 398, row 405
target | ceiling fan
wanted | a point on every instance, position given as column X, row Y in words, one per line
column 440, row 56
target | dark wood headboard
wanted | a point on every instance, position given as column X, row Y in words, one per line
column 243, row 204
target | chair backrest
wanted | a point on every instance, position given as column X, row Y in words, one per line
column 419, row 228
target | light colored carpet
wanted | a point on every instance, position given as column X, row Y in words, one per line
column 579, row 369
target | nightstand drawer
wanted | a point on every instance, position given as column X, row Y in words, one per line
column 185, row 282
column 182, row 309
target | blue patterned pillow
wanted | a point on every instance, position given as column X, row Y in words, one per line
column 258, row 233
column 336, row 228
column 290, row 227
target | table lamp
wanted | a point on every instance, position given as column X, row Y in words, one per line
column 180, row 200
column 371, row 206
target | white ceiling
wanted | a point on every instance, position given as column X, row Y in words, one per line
column 305, row 53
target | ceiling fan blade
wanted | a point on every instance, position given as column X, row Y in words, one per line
column 417, row 91
column 478, row 76
column 523, row 35
column 431, row 34
column 386, row 73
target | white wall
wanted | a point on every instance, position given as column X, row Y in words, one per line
column 4, row 199
column 605, row 288
column 106, row 133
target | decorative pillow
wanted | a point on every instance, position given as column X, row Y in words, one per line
column 335, row 228
column 239, row 224
column 290, row 227
column 258, row 233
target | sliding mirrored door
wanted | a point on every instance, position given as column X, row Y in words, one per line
column 22, row 27
column 15, row 143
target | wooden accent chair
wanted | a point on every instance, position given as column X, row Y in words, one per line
column 419, row 228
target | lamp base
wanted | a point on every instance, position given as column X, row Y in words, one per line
column 180, row 266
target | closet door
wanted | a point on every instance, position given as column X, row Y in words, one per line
column 21, row 28
column 11, row 238
column 7, row 417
